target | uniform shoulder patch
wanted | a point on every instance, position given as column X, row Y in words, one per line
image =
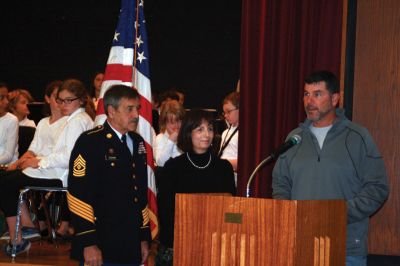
column 79, row 166
column 95, row 129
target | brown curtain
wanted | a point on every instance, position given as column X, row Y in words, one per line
column 282, row 41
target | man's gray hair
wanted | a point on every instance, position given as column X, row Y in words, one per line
column 115, row 93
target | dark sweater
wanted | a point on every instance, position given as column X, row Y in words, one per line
column 180, row 176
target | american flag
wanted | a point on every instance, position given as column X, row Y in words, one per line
column 128, row 64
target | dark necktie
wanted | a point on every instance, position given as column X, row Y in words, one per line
column 123, row 138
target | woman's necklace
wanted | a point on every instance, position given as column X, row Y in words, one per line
column 199, row 167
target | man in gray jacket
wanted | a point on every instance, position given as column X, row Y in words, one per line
column 337, row 159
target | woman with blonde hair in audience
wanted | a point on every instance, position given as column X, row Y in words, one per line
column 50, row 168
column 18, row 104
column 197, row 170
column 164, row 147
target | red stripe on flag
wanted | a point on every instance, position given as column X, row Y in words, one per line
column 150, row 160
column 146, row 110
column 118, row 72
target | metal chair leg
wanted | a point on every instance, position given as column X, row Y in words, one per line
column 19, row 212
column 34, row 197
column 17, row 223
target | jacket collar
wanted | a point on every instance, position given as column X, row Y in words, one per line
column 340, row 121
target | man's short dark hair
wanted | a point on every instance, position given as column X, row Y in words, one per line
column 192, row 120
column 170, row 94
column 115, row 93
column 3, row 85
column 332, row 83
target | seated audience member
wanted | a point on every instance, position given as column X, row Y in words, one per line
column 90, row 109
column 18, row 105
column 181, row 97
column 8, row 130
column 163, row 98
column 197, row 170
column 230, row 137
column 96, row 87
column 168, row 96
column 180, row 94
column 49, row 167
column 41, row 145
column 170, row 122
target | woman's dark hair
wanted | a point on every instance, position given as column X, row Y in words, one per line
column 192, row 120
column 92, row 89
column 77, row 88
column 53, row 85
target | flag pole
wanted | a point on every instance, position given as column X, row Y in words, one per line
column 135, row 44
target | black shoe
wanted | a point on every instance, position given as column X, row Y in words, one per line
column 44, row 233
column 22, row 247
column 64, row 237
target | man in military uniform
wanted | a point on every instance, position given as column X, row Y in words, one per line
column 107, row 186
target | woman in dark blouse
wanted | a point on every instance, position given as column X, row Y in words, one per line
column 197, row 170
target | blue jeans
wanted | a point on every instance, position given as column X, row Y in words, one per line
column 356, row 260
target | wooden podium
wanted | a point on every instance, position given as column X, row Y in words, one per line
column 224, row 230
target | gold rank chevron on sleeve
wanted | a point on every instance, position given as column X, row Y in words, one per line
column 79, row 169
column 80, row 208
column 145, row 214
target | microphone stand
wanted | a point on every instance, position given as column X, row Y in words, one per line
column 263, row 162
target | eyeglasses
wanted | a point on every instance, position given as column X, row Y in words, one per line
column 228, row 112
column 66, row 101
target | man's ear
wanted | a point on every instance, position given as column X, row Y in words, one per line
column 335, row 99
column 110, row 111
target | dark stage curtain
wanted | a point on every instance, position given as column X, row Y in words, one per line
column 282, row 41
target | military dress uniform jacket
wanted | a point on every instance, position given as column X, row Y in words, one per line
column 107, row 195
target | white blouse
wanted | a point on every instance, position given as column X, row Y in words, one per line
column 231, row 151
column 54, row 165
column 164, row 148
column 27, row 122
column 8, row 138
column 46, row 134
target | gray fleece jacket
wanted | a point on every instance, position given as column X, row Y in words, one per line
column 349, row 166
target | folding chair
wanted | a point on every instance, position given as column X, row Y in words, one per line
column 19, row 211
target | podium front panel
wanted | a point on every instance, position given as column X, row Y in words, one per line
column 223, row 230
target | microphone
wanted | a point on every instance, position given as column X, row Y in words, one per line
column 293, row 140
